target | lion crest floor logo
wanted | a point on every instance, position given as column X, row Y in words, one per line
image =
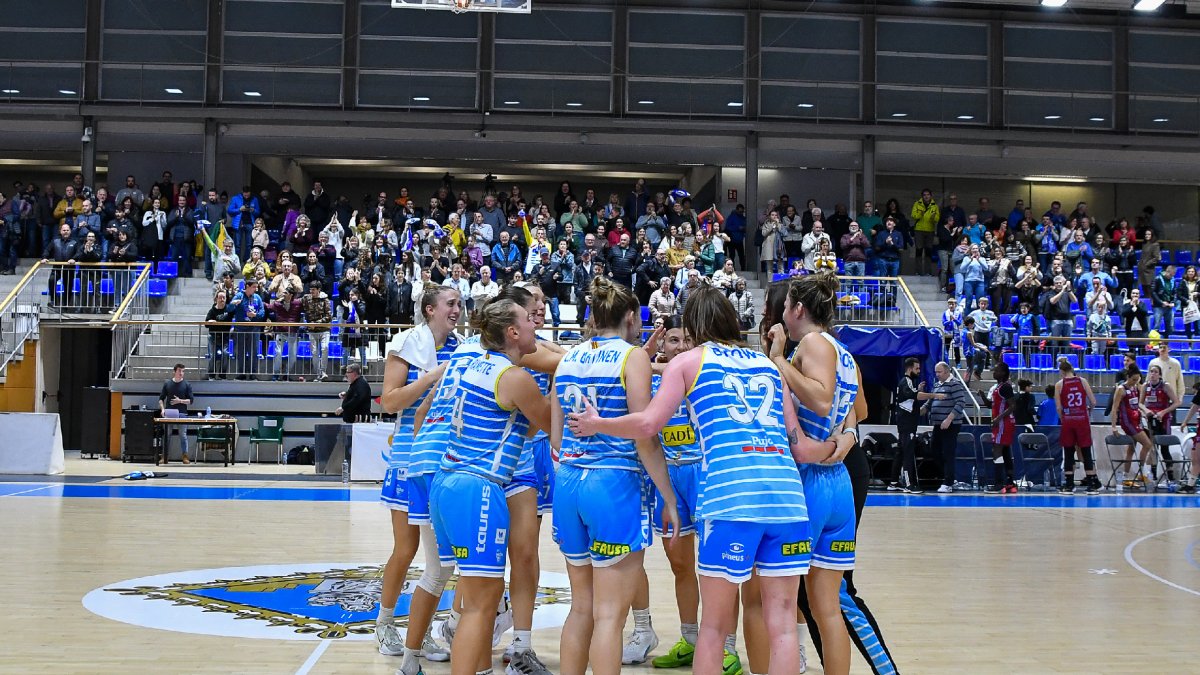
column 285, row 602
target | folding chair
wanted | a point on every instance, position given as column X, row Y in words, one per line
column 1179, row 467
column 967, row 451
column 270, row 432
column 1122, row 442
column 1038, row 460
column 881, row 448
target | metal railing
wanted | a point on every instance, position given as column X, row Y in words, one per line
column 1100, row 359
column 54, row 291
column 130, row 320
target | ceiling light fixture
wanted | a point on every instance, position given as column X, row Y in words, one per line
column 575, row 104
column 67, row 92
column 252, row 93
column 1160, row 120
column 805, row 105
column 1147, row 5
column 734, row 104
column 172, row 90
column 1054, row 117
column 10, row 91
column 1056, row 179
column 1095, row 119
column 421, row 99
column 646, row 102
column 966, row 117
column 1053, row 3
column 899, row 114
column 512, row 103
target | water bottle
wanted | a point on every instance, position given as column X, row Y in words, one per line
column 1120, row 485
column 208, row 413
column 974, row 478
column 1046, row 479
column 346, row 471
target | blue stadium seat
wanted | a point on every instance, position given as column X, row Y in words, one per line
column 779, row 277
column 1072, row 359
column 1193, row 364
column 167, row 269
column 1143, row 363
column 1080, row 323
column 304, row 350
column 1093, row 363
column 107, row 287
column 1164, row 257
column 1184, row 258
column 1041, row 362
column 1006, row 321
column 1116, row 362
column 1014, row 360
column 335, row 351
column 156, row 288
column 646, row 317
column 76, row 285
column 1177, row 324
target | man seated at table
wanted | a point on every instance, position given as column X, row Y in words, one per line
column 176, row 395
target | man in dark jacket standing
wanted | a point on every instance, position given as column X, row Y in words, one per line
column 622, row 262
column 181, row 232
column 356, row 400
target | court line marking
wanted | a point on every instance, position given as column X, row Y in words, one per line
column 1133, row 563
column 314, row 657
column 25, row 492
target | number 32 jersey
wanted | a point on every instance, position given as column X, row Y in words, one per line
column 595, row 369
column 736, row 405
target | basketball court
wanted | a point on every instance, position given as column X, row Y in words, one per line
column 274, row 573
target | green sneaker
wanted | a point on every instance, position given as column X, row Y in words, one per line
column 679, row 656
column 732, row 665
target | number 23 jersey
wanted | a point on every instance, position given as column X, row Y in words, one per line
column 736, row 405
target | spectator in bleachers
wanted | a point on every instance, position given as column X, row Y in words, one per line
column 825, row 260
column 652, row 224
column 484, row 289
column 1122, row 229
column 854, row 246
column 1029, row 282
column 1163, row 297
column 735, row 227
column 725, row 278
column 256, row 264
column 1121, row 261
column 1001, row 281
column 650, row 270
column 663, row 302
column 837, row 223
column 948, row 233
column 792, row 232
column 1134, row 315
column 888, row 245
column 1151, row 254
column 743, row 304
column 317, row 204
column 247, row 307
column 1083, row 283
column 285, row 309
column 1025, row 322
column 353, row 317
column 771, row 252
column 506, row 258
column 984, row 318
column 243, row 209
column 1099, row 328
column 68, row 207
column 811, row 245
column 1078, row 250
column 564, row 261
column 303, row 237
column 181, row 232
column 705, row 254
column 952, row 321
column 258, row 234
column 693, row 283
column 124, row 250
column 1187, row 297
column 153, row 232
column 621, row 262
column 218, row 336
column 989, row 243
column 925, row 217
column 974, row 272
column 1058, row 312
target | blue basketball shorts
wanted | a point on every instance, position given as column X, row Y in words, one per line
column 731, row 549
column 470, row 521
column 543, row 466
column 685, row 480
column 830, row 499
column 418, row 499
column 394, row 493
column 600, row 515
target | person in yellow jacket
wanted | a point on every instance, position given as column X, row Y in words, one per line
column 925, row 216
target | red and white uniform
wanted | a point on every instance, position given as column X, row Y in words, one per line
column 1129, row 415
column 1076, row 422
column 1155, row 398
column 1004, row 429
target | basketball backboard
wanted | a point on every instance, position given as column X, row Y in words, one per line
column 509, row 6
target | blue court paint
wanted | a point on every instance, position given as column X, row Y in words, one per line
column 371, row 494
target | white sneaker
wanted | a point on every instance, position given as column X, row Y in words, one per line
column 638, row 647
column 945, row 489
column 431, row 650
column 803, row 658
column 526, row 663
column 390, row 642
column 446, row 632
column 504, row 621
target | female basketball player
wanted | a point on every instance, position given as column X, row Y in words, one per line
column 1127, row 415
column 1074, row 401
column 824, row 378
column 415, row 362
column 735, row 399
column 866, row 636
column 495, row 404
column 1160, row 403
column 600, row 522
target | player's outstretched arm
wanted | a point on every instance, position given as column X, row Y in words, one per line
column 650, row 421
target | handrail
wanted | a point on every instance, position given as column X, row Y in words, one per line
column 974, row 401
column 136, row 288
column 12, row 295
column 912, row 301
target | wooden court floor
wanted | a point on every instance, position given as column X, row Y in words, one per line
column 1016, row 585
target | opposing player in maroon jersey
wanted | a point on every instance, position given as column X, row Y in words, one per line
column 1074, row 399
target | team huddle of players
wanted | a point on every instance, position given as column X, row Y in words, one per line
column 693, row 433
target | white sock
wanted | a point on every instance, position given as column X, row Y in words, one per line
column 731, row 643
column 385, row 615
column 641, row 621
column 485, row 672
column 522, row 641
column 802, row 633
column 454, row 617
column 690, row 632
column 412, row 661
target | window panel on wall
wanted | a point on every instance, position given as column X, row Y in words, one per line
column 932, row 104
column 61, row 15
column 40, row 44
column 814, row 101
column 810, row 66
column 151, row 83
column 188, row 15
column 687, row 28
column 1050, row 42
column 1154, row 113
column 532, row 49
column 411, row 90
column 811, row 32
column 281, row 86
column 686, row 97
column 126, row 46
column 1164, row 63
column 671, row 44
column 1090, row 111
column 41, row 81
column 576, row 94
column 931, row 37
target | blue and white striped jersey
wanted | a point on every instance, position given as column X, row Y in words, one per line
column 429, row 446
column 402, row 437
column 679, row 442
column 485, row 438
column 595, row 368
column 736, row 405
column 821, row 427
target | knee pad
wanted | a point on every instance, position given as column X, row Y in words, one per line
column 1089, row 464
column 435, row 577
